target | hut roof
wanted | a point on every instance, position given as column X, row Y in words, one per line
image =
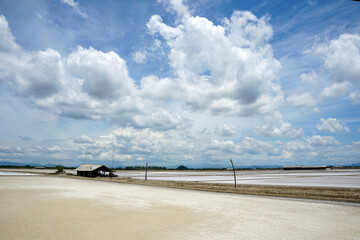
column 91, row 167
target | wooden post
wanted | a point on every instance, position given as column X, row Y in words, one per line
column 146, row 171
column 234, row 171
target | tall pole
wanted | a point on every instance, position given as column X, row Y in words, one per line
column 113, row 158
column 146, row 171
column 234, row 171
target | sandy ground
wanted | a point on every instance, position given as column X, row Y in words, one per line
column 44, row 207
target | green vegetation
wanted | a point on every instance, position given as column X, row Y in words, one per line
column 59, row 169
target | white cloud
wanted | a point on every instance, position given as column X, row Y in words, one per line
column 309, row 78
column 75, row 6
column 35, row 72
column 298, row 146
column 227, row 69
column 317, row 140
column 7, row 43
column 135, row 141
column 355, row 97
column 332, row 125
column 276, row 127
column 55, row 149
column 140, row 57
column 227, row 130
column 4, row 149
column 254, row 146
column 337, row 89
column 160, row 89
column 87, row 84
column 302, row 100
column 103, row 75
column 83, row 139
column 342, row 58
column 177, row 6
column 161, row 119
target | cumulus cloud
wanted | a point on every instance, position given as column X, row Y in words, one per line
column 4, row 149
column 139, row 57
column 7, row 43
column 41, row 75
column 227, row 130
column 342, row 58
column 135, row 141
column 75, row 6
column 254, row 146
column 332, row 125
column 86, row 84
column 355, row 97
column 337, row 89
column 309, row 78
column 317, row 140
column 176, row 6
column 103, row 75
column 160, row 88
column 55, row 149
column 302, row 100
column 276, row 127
column 37, row 74
column 161, row 120
column 228, row 68
column 83, row 139
column 298, row 146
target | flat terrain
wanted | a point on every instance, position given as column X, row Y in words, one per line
column 349, row 178
column 45, row 207
column 335, row 178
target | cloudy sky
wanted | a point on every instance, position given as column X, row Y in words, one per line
column 272, row 82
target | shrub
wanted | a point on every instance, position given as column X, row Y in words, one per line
column 59, row 168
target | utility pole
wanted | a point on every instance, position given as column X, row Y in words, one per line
column 234, row 171
column 113, row 158
column 111, row 171
column 146, row 171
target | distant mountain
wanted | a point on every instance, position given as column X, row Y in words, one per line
column 25, row 164
column 15, row 164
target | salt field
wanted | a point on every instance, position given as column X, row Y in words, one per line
column 345, row 178
column 44, row 207
column 16, row 174
column 327, row 178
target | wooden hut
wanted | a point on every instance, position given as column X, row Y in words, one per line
column 92, row 170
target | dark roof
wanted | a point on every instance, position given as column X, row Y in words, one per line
column 92, row 167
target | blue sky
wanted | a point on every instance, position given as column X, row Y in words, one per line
column 180, row 82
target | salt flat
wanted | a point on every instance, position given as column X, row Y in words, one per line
column 326, row 178
column 343, row 178
column 43, row 207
